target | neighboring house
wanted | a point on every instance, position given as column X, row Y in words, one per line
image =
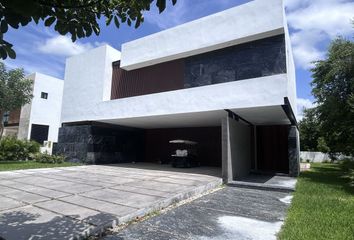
column 40, row 119
column 226, row 81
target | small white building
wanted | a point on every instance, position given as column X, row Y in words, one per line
column 38, row 120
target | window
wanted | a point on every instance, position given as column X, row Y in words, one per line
column 44, row 95
column 5, row 118
column 39, row 133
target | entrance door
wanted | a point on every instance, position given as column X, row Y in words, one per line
column 272, row 149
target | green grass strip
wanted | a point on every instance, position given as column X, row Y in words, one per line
column 322, row 207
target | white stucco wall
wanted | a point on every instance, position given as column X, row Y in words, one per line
column 87, row 77
column 44, row 111
column 251, row 21
column 290, row 65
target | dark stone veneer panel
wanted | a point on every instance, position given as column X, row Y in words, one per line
column 100, row 144
column 260, row 58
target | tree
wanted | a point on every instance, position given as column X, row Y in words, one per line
column 78, row 18
column 333, row 88
column 15, row 91
column 309, row 130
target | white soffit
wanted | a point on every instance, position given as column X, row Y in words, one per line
column 271, row 115
column 248, row 22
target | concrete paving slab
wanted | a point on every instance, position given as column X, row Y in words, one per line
column 63, row 186
column 129, row 199
column 33, row 189
column 86, row 199
column 5, row 190
column 11, row 175
column 159, row 186
column 77, row 212
column 30, row 222
column 98, row 205
column 22, row 196
column 187, row 182
column 142, row 191
column 34, row 180
column 9, row 203
column 40, row 170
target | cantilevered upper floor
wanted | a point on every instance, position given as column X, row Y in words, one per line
column 239, row 59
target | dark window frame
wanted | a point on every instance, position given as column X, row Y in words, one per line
column 44, row 95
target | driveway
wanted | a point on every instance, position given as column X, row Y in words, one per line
column 228, row 214
column 73, row 202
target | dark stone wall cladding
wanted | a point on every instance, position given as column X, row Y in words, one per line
column 250, row 60
column 293, row 152
column 100, row 145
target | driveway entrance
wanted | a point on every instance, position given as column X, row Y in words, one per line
column 64, row 203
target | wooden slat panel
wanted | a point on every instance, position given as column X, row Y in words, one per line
column 153, row 79
column 272, row 148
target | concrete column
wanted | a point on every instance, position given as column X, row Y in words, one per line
column 236, row 150
column 226, row 161
column 294, row 152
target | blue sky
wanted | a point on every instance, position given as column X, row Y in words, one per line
column 313, row 24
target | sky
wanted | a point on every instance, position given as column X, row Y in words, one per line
column 312, row 25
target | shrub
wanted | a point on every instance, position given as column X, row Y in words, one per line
column 347, row 166
column 13, row 149
column 46, row 158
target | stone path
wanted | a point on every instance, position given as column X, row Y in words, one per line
column 73, row 202
column 228, row 214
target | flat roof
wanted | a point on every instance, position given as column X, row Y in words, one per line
column 248, row 22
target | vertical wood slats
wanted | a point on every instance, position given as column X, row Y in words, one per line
column 162, row 77
column 14, row 116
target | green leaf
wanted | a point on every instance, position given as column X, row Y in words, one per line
column 3, row 53
column 96, row 30
column 11, row 53
column 109, row 20
column 138, row 21
column 49, row 21
column 116, row 21
column 4, row 26
column 88, row 30
column 80, row 32
column 161, row 4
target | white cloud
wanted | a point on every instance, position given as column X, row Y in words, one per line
column 172, row 16
column 63, row 46
column 183, row 12
column 305, row 48
column 303, row 103
column 315, row 22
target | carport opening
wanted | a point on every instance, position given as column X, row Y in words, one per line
column 158, row 148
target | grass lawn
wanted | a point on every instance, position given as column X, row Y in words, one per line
column 322, row 207
column 8, row 166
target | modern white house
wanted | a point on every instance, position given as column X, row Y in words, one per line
column 225, row 81
column 38, row 120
